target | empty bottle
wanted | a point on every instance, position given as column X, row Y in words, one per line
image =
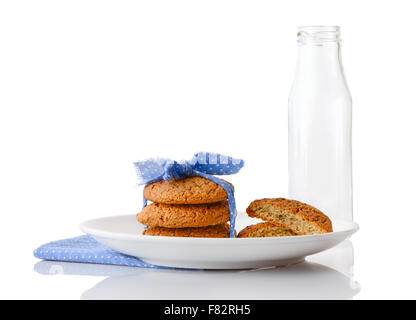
column 320, row 171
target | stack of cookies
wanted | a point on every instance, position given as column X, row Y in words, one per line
column 190, row 207
column 285, row 218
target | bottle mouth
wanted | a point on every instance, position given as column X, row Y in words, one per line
column 318, row 34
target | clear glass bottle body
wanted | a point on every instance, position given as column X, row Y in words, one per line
column 320, row 169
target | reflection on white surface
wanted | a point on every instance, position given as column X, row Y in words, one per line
column 327, row 275
column 340, row 258
column 303, row 281
column 83, row 269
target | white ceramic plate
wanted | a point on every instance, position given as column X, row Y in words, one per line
column 123, row 234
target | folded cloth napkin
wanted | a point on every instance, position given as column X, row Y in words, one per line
column 86, row 249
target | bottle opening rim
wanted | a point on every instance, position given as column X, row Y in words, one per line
column 318, row 34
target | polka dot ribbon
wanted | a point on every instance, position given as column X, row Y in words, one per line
column 203, row 164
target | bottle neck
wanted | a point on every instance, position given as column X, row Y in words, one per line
column 319, row 51
column 319, row 58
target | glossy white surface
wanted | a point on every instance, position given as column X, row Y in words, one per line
column 123, row 233
column 89, row 86
column 307, row 280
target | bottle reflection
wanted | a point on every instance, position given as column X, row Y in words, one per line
column 328, row 275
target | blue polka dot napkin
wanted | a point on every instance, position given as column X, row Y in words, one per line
column 86, row 249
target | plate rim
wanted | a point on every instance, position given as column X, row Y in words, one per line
column 194, row 240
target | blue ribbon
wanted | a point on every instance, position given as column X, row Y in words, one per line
column 203, row 164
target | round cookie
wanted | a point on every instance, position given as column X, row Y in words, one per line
column 191, row 190
column 295, row 215
column 184, row 216
column 217, row 231
column 265, row 229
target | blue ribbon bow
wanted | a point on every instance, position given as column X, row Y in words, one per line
column 203, row 164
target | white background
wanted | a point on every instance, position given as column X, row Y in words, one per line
column 88, row 87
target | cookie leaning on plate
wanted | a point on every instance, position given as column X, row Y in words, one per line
column 184, row 216
column 295, row 215
column 265, row 229
column 191, row 190
column 216, row 231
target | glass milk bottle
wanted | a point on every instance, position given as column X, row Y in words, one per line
column 320, row 125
